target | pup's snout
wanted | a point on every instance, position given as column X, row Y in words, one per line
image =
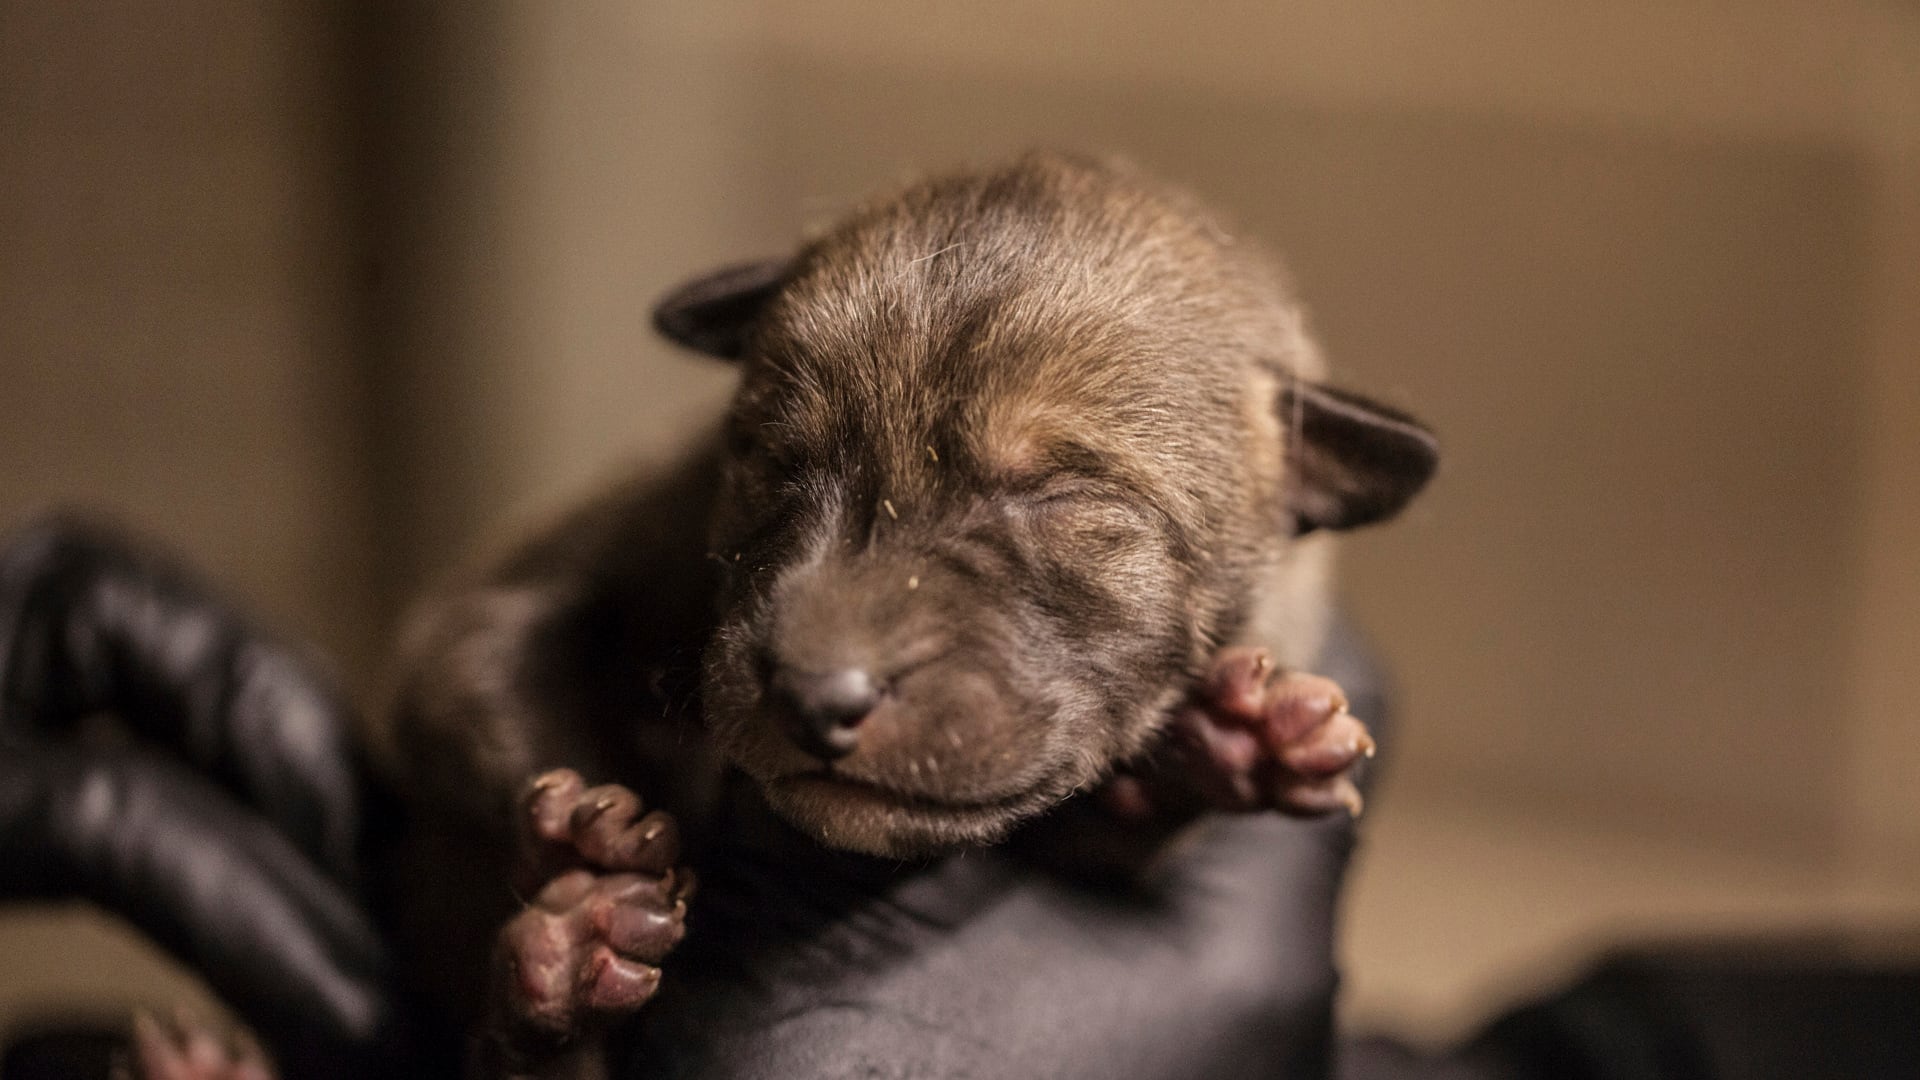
column 822, row 711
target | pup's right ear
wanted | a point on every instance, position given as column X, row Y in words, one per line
column 1355, row 461
column 714, row 314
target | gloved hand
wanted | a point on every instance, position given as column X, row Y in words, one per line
column 228, row 829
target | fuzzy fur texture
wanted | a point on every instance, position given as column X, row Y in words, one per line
column 1012, row 440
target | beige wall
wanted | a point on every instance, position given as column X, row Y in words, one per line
column 1884, row 834
column 177, row 293
column 1649, row 268
column 177, row 333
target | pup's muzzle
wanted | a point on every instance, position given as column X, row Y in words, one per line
column 822, row 711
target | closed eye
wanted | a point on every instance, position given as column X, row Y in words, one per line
column 1070, row 490
column 1075, row 493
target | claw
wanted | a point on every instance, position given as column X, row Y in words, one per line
column 610, row 983
column 1351, row 798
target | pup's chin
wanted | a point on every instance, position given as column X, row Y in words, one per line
column 859, row 817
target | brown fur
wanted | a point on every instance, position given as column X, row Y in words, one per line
column 1081, row 352
column 1016, row 441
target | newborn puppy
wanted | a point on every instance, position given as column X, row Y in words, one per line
column 1009, row 464
column 1028, row 475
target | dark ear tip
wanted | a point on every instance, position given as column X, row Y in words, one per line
column 679, row 326
column 1362, row 462
column 1416, row 469
column 714, row 314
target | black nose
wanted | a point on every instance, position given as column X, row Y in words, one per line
column 822, row 711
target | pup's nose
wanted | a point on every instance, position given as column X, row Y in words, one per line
column 822, row 711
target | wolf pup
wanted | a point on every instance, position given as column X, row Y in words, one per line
column 1025, row 492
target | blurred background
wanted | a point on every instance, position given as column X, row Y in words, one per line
column 324, row 294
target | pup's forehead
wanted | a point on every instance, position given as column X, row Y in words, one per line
column 1005, row 316
column 1004, row 380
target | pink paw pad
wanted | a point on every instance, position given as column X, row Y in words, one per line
column 607, row 907
column 1253, row 737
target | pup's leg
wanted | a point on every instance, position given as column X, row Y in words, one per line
column 1252, row 737
column 605, row 904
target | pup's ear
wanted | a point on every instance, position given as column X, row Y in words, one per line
column 715, row 313
column 1355, row 461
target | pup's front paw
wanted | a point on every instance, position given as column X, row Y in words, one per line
column 607, row 906
column 185, row 1049
column 1252, row 737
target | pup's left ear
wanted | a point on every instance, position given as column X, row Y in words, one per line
column 715, row 313
column 1355, row 461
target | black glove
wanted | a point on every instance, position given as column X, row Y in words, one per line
column 228, row 831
